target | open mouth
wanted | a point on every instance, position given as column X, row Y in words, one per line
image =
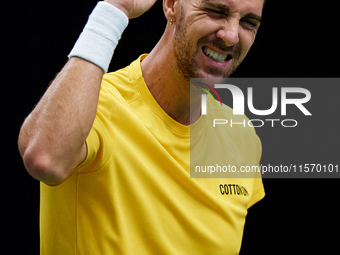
column 215, row 56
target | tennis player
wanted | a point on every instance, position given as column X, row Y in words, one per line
column 112, row 150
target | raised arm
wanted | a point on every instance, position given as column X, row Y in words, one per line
column 52, row 138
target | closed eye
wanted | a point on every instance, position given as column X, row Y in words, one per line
column 250, row 24
column 252, row 20
column 215, row 12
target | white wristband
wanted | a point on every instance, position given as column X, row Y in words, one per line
column 100, row 36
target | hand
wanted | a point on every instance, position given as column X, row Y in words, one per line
column 132, row 8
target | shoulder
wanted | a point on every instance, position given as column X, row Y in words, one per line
column 124, row 82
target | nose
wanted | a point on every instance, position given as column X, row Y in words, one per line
column 229, row 32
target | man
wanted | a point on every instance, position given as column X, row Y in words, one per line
column 112, row 152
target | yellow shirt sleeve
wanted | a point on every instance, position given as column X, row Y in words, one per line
column 100, row 140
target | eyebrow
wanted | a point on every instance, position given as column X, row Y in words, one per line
column 226, row 9
column 219, row 6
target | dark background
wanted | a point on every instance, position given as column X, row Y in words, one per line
column 296, row 39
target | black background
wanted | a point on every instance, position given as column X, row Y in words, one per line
column 296, row 39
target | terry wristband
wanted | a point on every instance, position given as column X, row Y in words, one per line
column 100, row 36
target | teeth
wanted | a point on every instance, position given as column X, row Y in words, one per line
column 214, row 55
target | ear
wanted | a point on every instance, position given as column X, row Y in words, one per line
column 169, row 8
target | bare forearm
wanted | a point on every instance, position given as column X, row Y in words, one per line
column 52, row 137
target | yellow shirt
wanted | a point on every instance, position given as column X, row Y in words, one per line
column 133, row 194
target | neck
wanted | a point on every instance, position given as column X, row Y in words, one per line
column 165, row 82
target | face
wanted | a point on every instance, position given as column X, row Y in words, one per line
column 212, row 37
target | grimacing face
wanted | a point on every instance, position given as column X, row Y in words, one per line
column 213, row 37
